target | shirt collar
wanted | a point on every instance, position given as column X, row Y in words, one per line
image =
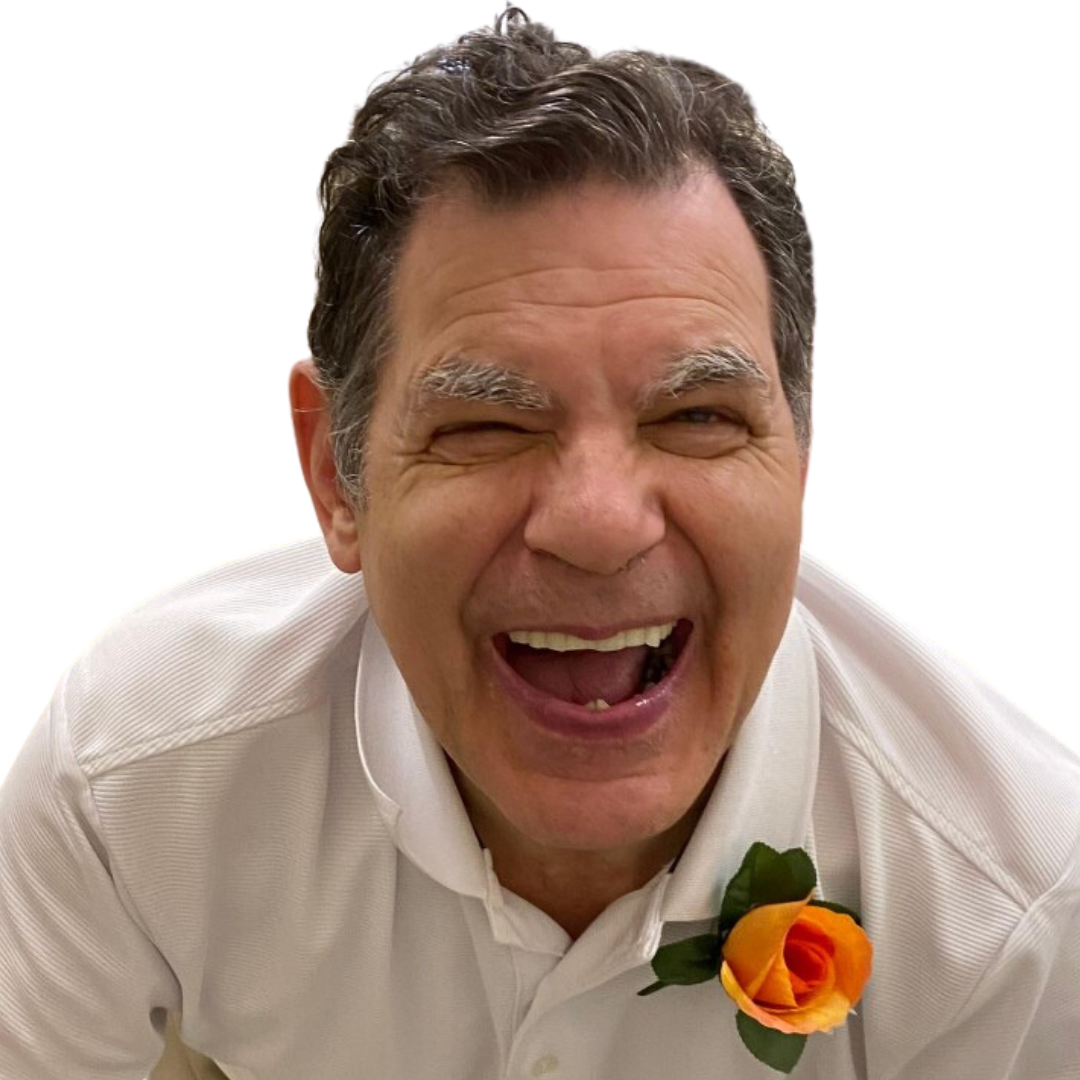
column 408, row 774
column 766, row 787
column 764, row 792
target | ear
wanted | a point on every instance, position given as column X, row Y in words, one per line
column 311, row 425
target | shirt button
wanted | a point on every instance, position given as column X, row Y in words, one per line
column 544, row 1065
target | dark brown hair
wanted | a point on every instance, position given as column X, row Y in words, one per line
column 517, row 112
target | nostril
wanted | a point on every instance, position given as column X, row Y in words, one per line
column 593, row 541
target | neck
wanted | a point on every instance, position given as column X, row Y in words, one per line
column 574, row 887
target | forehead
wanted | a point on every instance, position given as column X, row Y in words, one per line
column 596, row 267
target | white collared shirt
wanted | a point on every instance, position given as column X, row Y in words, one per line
column 232, row 810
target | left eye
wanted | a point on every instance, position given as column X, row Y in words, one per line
column 701, row 431
column 700, row 416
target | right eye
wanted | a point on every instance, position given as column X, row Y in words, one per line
column 479, row 441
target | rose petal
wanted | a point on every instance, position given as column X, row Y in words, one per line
column 810, row 967
column 823, row 1015
column 747, row 1005
column 777, row 990
column 809, row 931
column 852, row 951
column 756, row 942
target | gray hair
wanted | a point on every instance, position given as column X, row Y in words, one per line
column 517, row 113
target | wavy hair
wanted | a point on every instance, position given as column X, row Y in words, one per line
column 517, row 113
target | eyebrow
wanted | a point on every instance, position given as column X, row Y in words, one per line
column 714, row 365
column 461, row 379
column 458, row 378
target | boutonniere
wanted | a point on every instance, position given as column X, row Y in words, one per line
column 792, row 964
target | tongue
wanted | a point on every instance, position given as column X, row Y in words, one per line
column 583, row 676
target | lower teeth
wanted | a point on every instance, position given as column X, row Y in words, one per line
column 597, row 706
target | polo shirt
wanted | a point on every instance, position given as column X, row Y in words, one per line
column 232, row 811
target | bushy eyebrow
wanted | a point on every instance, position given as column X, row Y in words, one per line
column 715, row 364
column 461, row 379
column 458, row 378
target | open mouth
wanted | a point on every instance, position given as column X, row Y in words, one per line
column 595, row 674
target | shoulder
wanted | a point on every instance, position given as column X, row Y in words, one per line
column 232, row 648
column 960, row 762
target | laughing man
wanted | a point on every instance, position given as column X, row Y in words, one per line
column 426, row 797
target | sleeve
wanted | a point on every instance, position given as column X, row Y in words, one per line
column 1022, row 1022
column 83, row 991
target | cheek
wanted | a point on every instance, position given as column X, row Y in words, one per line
column 744, row 524
column 424, row 549
column 423, row 527
column 745, row 521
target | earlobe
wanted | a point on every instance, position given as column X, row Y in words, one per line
column 311, row 427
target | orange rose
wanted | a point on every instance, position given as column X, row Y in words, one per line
column 796, row 968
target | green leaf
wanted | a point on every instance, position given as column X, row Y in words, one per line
column 693, row 960
column 766, row 877
column 652, row 988
column 838, row 908
column 777, row 1050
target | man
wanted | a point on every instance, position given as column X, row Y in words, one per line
column 440, row 822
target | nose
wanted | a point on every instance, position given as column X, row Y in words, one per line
column 596, row 508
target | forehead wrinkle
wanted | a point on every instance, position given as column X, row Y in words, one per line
column 591, row 285
column 712, row 365
column 459, row 378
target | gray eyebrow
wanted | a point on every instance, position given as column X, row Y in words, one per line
column 461, row 379
column 706, row 367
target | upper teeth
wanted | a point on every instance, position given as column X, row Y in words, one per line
column 624, row 639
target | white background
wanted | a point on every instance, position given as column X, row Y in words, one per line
column 158, row 222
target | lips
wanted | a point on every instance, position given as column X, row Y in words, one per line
column 599, row 692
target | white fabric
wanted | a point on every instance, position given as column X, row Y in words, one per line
column 191, row 826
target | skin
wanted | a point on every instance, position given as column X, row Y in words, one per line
column 600, row 510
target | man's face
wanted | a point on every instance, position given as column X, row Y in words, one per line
column 581, row 431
